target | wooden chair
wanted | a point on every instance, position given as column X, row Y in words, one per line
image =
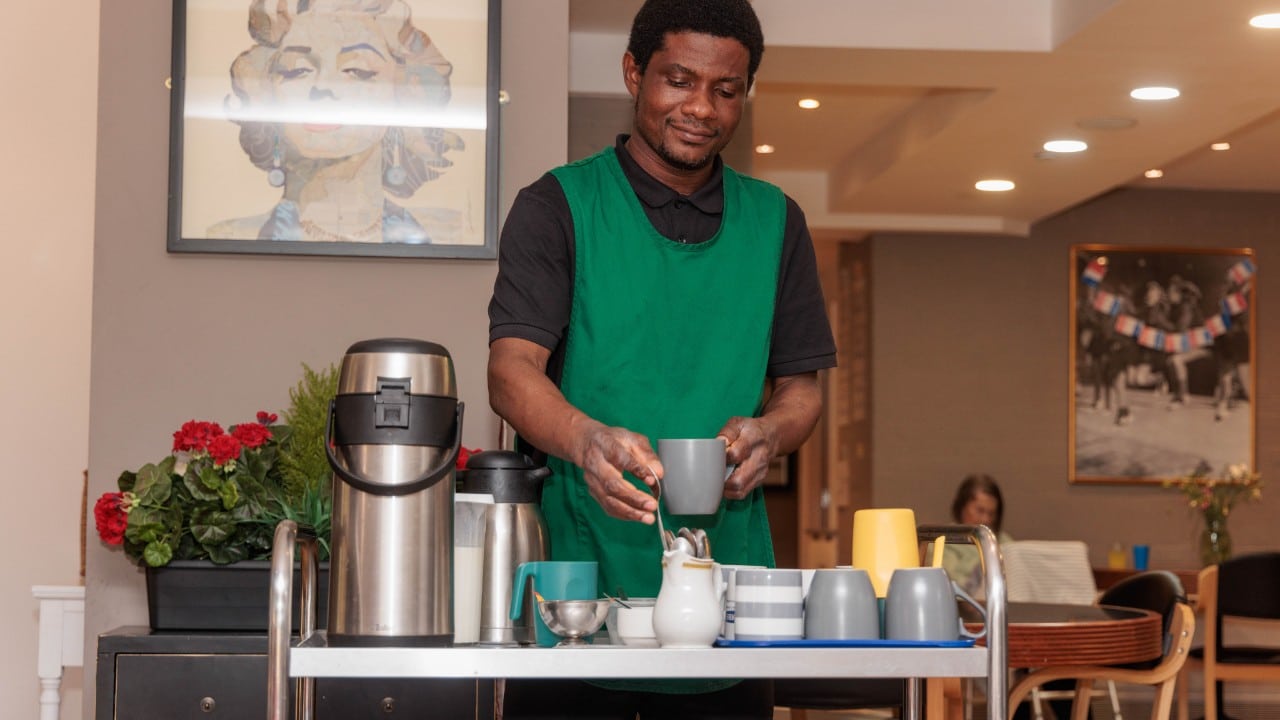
column 1050, row 571
column 1247, row 586
column 1163, row 675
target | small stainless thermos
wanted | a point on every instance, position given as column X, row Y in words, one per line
column 516, row 533
column 395, row 429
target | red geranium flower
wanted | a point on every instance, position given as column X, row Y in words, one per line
column 463, row 456
column 251, row 435
column 267, row 418
column 110, row 518
column 195, row 436
column 223, row 449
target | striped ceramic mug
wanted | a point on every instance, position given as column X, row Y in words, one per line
column 768, row 604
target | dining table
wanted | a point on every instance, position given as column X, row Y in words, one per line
column 1043, row 634
column 1048, row 634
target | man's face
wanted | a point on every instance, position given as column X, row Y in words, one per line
column 689, row 99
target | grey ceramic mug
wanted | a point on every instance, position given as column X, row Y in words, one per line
column 921, row 605
column 695, row 470
column 841, row 605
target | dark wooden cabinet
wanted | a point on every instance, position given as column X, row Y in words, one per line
column 145, row 675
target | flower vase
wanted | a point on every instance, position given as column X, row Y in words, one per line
column 1215, row 540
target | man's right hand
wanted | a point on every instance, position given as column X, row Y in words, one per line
column 521, row 392
column 604, row 453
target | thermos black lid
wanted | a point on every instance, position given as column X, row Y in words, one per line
column 398, row 345
column 509, row 476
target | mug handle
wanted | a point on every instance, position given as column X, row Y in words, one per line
column 728, row 470
column 960, row 593
column 523, row 572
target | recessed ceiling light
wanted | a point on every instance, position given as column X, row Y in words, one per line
column 808, row 103
column 1153, row 173
column 764, row 149
column 994, row 185
column 1269, row 21
column 1066, row 146
column 1154, row 93
column 1220, row 146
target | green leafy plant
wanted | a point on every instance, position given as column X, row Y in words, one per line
column 306, row 477
column 219, row 494
column 304, row 465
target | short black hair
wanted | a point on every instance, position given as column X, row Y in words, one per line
column 969, row 489
column 734, row 19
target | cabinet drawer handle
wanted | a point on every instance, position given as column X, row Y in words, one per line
column 388, row 705
column 207, row 704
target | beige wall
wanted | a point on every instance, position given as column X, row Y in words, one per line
column 218, row 337
column 970, row 371
column 47, row 136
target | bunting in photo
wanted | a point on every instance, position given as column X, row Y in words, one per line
column 1095, row 271
column 1106, row 302
column 1241, row 271
column 1200, row 337
column 1235, row 303
column 1151, row 338
column 1129, row 325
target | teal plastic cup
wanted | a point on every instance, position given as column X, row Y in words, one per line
column 553, row 580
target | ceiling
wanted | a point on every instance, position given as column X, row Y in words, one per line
column 922, row 98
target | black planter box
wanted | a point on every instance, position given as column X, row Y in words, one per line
column 198, row 595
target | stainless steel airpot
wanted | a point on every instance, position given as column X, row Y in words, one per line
column 395, row 429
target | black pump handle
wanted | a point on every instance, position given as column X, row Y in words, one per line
column 422, row 482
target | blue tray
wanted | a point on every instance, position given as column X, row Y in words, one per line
column 959, row 643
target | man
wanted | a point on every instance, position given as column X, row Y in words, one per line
column 1185, row 313
column 649, row 291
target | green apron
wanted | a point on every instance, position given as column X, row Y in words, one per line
column 668, row 340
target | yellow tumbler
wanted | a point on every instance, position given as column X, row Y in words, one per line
column 884, row 539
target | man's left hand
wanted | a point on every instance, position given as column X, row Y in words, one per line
column 752, row 444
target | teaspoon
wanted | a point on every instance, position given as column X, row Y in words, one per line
column 657, row 512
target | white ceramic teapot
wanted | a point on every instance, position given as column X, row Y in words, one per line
column 689, row 611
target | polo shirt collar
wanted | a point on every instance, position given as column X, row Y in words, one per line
column 709, row 198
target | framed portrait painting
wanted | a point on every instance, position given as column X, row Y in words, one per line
column 1162, row 361
column 334, row 127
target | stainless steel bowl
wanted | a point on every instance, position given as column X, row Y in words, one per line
column 574, row 620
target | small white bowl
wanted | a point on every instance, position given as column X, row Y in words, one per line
column 632, row 626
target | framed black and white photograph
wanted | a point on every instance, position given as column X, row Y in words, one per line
column 1162, row 361
column 334, row 127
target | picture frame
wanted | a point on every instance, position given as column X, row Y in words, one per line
column 1162, row 362
column 365, row 130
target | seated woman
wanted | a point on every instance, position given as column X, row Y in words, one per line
column 977, row 502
